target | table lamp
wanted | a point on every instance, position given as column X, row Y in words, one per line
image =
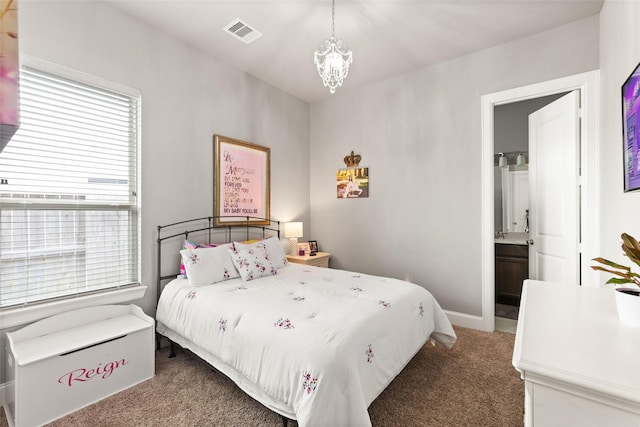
column 293, row 230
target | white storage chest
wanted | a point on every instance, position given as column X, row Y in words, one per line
column 65, row 362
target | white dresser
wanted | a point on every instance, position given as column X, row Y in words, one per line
column 579, row 363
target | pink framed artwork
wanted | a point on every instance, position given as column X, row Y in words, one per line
column 241, row 182
column 9, row 108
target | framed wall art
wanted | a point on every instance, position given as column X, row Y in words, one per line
column 631, row 130
column 241, row 182
column 352, row 183
column 9, row 66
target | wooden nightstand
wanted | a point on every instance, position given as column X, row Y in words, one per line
column 321, row 259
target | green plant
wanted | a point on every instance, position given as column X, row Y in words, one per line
column 631, row 249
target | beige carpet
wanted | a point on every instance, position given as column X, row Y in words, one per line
column 472, row 384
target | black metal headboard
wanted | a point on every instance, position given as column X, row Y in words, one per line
column 243, row 228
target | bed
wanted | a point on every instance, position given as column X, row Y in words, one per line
column 313, row 344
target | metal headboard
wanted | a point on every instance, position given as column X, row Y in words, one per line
column 253, row 227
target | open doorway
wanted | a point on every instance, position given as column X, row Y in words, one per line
column 587, row 85
column 511, row 206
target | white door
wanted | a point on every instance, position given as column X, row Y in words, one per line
column 554, row 140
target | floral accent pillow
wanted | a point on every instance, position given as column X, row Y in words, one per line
column 252, row 262
column 205, row 266
column 188, row 244
column 272, row 246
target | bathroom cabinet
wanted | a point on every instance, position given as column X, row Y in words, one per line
column 512, row 268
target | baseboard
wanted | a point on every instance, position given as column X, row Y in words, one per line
column 467, row 320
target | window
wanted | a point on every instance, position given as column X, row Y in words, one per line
column 68, row 190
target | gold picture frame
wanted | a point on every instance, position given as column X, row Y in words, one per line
column 241, row 180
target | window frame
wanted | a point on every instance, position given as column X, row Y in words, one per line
column 20, row 314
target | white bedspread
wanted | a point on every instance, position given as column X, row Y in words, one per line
column 323, row 342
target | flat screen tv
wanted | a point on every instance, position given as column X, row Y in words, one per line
column 631, row 130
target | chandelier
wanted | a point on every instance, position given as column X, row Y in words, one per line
column 333, row 58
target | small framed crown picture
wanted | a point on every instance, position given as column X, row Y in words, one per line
column 352, row 183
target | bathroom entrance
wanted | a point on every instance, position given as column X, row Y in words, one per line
column 512, row 201
column 585, row 86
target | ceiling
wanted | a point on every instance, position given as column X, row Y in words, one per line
column 387, row 37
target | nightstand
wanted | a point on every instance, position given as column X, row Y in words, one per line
column 320, row 259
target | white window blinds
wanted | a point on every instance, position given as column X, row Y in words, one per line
column 68, row 186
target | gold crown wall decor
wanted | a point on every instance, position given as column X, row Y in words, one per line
column 352, row 160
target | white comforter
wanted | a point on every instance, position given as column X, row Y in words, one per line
column 322, row 343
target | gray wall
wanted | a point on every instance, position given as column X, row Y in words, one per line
column 511, row 123
column 619, row 55
column 187, row 96
column 420, row 136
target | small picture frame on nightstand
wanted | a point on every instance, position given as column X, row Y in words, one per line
column 313, row 247
column 303, row 249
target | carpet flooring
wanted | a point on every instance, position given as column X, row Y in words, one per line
column 473, row 384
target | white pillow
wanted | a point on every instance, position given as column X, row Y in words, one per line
column 252, row 262
column 273, row 247
column 208, row 265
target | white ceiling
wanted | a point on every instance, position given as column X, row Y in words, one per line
column 387, row 37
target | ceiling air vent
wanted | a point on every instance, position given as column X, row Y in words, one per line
column 242, row 31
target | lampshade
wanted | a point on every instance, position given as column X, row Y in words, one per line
column 293, row 230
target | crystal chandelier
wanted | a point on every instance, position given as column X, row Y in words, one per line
column 333, row 58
